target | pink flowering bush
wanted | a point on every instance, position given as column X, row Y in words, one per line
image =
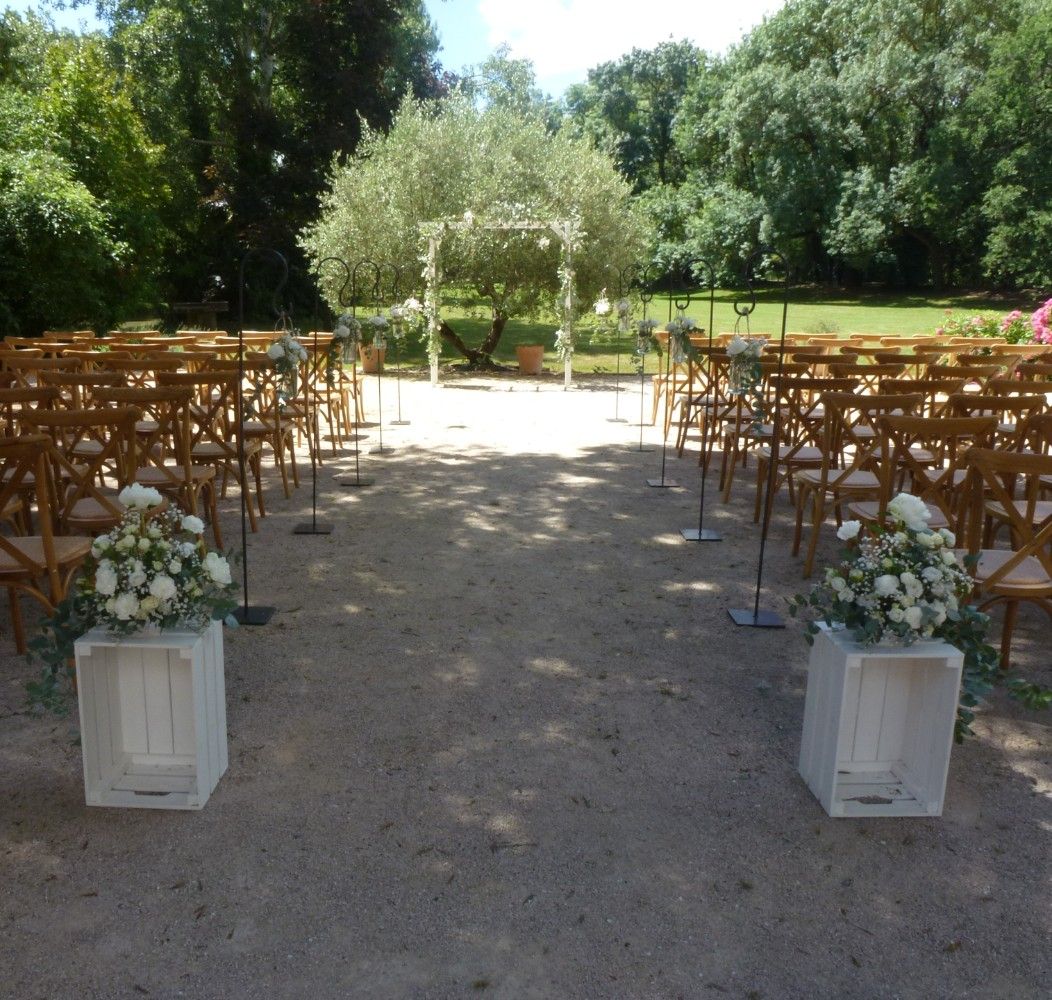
column 1041, row 323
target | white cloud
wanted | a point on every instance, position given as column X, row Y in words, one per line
column 565, row 38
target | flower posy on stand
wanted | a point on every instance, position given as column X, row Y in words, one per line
column 345, row 339
column 288, row 354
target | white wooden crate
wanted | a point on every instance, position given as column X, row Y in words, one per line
column 152, row 717
column 878, row 726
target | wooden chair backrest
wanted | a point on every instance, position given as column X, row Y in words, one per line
column 947, row 439
column 936, row 391
column 19, row 399
column 871, row 376
column 24, row 470
column 112, row 429
column 851, row 438
column 1012, row 480
column 213, row 408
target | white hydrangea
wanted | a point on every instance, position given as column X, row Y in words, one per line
column 163, row 587
column 886, row 585
column 911, row 511
column 849, row 530
column 217, row 568
column 125, row 607
column 106, row 578
column 192, row 524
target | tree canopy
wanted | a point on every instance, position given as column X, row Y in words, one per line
column 442, row 159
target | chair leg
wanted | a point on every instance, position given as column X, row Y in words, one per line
column 17, row 626
column 819, row 513
column 761, row 468
column 213, row 513
column 798, row 531
column 1011, row 614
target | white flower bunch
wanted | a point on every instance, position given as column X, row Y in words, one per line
column 602, row 304
column 287, row 349
column 154, row 569
column 347, row 328
column 624, row 310
column 746, row 348
column 679, row 330
column 901, row 581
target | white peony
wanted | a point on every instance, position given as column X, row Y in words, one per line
column 192, row 524
column 911, row 511
column 217, row 568
column 886, row 585
column 139, row 497
column 105, row 578
column 125, row 607
column 849, row 530
column 163, row 588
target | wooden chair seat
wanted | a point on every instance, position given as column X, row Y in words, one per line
column 857, row 480
column 870, row 511
column 1028, row 579
column 69, row 551
column 805, row 455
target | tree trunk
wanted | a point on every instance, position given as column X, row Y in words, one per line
column 481, row 356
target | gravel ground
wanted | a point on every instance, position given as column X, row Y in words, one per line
column 502, row 740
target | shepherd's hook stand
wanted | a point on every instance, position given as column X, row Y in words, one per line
column 314, row 526
column 398, row 384
column 681, row 305
column 756, row 617
column 247, row 614
column 645, row 297
column 359, row 481
column 622, row 290
column 701, row 533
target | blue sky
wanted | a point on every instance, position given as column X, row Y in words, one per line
column 563, row 38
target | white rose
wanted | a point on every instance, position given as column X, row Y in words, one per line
column 849, row 530
column 896, row 614
column 192, row 524
column 105, row 579
column 163, row 588
column 125, row 542
column 217, row 568
column 913, row 617
column 175, row 567
column 125, row 607
column 148, row 605
column 838, row 583
column 139, row 497
column 910, row 510
column 847, row 594
column 928, row 539
column 886, row 585
column 948, row 557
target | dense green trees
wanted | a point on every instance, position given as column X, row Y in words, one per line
column 895, row 140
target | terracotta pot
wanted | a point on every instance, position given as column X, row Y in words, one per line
column 531, row 358
column 372, row 359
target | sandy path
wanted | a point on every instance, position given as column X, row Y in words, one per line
column 502, row 740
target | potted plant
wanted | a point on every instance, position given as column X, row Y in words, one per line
column 530, row 358
column 373, row 345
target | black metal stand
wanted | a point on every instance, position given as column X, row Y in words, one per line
column 701, row 533
column 663, row 483
column 756, row 618
column 380, row 449
column 398, row 384
column 359, row 481
column 246, row 614
column 314, row 526
column 621, row 292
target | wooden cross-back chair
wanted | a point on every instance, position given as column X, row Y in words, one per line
column 1018, row 387
column 740, row 428
column 324, row 396
column 853, row 451
column 42, row 565
column 701, row 390
column 798, row 399
column 271, row 417
column 1012, row 481
column 76, row 389
column 140, row 373
column 871, row 377
column 936, row 391
column 216, row 431
column 162, row 457
column 27, row 369
column 18, row 399
column 82, row 507
column 925, row 457
column 1012, row 413
column 1037, row 371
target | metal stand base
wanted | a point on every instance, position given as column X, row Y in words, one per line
column 400, row 423
column 638, row 450
column 385, row 450
column 616, row 420
column 705, row 535
column 761, row 619
column 360, row 482
column 663, row 484
column 312, row 529
column 253, row 616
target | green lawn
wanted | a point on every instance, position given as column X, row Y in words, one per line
column 810, row 311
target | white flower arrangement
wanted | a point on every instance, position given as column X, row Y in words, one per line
column 645, row 335
column 679, row 331
column 602, row 304
column 377, row 326
column 153, row 569
column 900, row 582
column 624, row 312
column 743, row 375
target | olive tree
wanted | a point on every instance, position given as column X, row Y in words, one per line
column 442, row 159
